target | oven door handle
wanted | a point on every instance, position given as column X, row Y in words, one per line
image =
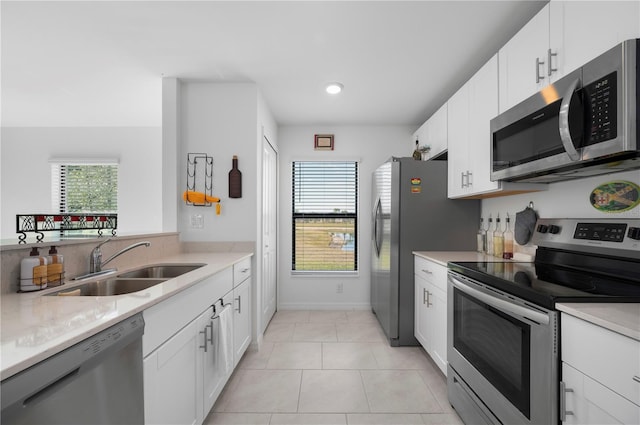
column 501, row 304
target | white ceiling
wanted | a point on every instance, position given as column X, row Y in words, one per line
column 90, row 63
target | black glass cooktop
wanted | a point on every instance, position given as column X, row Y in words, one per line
column 545, row 284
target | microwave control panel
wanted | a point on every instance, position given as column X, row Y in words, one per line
column 600, row 98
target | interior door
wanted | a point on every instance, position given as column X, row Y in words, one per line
column 269, row 232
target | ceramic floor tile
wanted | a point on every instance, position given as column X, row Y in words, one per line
column 400, row 357
column 348, row 355
column 296, row 355
column 321, row 316
column 332, row 391
column 360, row 332
column 442, row 419
column 384, row 419
column 262, row 391
column 231, row 384
column 290, row 316
column 398, row 391
column 315, row 332
column 361, row 316
column 278, row 332
column 215, row 418
column 254, row 359
column 308, row 419
column 437, row 383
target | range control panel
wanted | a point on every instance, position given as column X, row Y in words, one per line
column 589, row 235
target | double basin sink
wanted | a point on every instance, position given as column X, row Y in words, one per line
column 131, row 281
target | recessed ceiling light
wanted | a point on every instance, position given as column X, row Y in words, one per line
column 334, row 88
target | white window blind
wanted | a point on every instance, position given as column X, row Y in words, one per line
column 325, row 216
column 84, row 188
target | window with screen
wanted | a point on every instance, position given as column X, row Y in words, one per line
column 84, row 188
column 325, row 216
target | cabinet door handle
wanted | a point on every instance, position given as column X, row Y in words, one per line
column 239, row 309
column 210, row 326
column 469, row 181
column 204, row 333
column 424, row 295
column 550, row 67
column 462, row 180
column 429, row 304
column 563, row 402
column 636, row 378
column 539, row 77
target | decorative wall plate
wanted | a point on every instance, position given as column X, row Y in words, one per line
column 616, row 196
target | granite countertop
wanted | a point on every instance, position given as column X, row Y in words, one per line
column 443, row 257
column 623, row 318
column 35, row 326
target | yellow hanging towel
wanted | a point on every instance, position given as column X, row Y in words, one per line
column 201, row 198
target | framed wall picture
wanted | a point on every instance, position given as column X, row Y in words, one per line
column 323, row 142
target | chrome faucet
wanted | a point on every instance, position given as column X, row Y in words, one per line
column 95, row 261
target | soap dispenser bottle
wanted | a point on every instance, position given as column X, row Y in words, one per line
column 33, row 272
column 55, row 268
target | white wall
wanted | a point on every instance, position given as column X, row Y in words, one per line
column 26, row 173
column 220, row 120
column 372, row 146
column 562, row 199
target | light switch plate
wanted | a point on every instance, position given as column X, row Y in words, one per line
column 197, row 221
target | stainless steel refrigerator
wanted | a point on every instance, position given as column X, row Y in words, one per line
column 411, row 212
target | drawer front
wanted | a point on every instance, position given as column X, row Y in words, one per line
column 241, row 271
column 604, row 355
column 432, row 272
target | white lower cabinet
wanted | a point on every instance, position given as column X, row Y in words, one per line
column 185, row 362
column 173, row 380
column 241, row 319
column 431, row 309
column 600, row 375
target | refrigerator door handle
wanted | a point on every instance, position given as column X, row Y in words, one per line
column 376, row 228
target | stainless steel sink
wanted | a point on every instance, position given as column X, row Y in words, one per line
column 160, row 271
column 114, row 286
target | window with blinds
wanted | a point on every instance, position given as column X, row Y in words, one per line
column 84, row 188
column 325, row 216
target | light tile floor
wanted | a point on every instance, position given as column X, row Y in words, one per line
column 333, row 368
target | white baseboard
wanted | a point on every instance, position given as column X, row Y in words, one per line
column 323, row 306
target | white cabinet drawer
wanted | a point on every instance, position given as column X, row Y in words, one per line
column 606, row 356
column 169, row 316
column 431, row 271
column 241, row 271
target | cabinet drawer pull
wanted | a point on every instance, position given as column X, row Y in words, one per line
column 461, row 179
column 239, row 309
column 637, row 379
column 429, row 303
column 424, row 295
column 539, row 77
column 469, row 181
column 244, row 270
column 427, row 271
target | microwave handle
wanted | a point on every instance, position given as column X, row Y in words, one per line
column 563, row 118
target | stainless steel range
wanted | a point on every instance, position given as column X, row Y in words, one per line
column 503, row 328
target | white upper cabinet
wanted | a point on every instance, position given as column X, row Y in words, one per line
column 469, row 160
column 581, row 30
column 522, row 61
column 434, row 132
column 563, row 36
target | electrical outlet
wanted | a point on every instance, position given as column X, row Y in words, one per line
column 197, row 221
column 339, row 288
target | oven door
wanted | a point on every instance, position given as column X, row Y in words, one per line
column 504, row 351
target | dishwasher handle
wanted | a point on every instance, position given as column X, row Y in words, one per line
column 52, row 387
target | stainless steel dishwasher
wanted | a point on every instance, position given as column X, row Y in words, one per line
column 96, row 381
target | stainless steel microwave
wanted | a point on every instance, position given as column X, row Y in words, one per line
column 582, row 125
